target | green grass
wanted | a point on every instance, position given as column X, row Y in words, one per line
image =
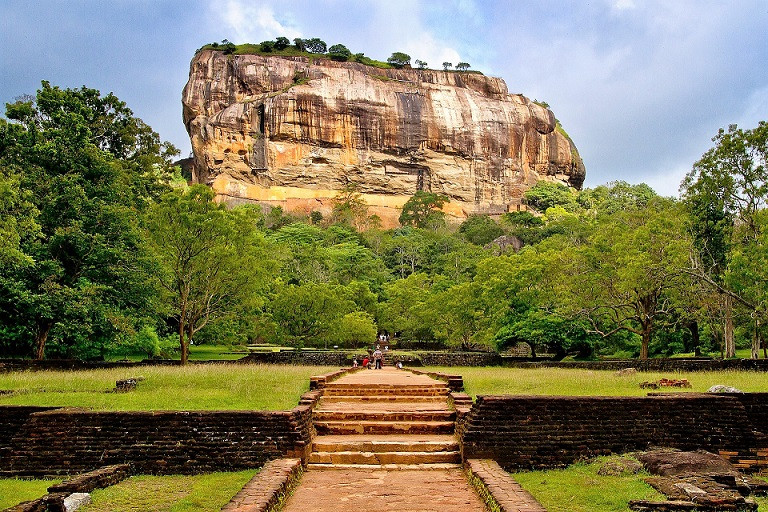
column 13, row 490
column 176, row 493
column 216, row 352
column 579, row 488
column 206, row 387
column 197, row 353
column 562, row 381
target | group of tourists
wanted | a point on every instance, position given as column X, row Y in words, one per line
column 375, row 358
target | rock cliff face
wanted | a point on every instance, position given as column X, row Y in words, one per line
column 292, row 131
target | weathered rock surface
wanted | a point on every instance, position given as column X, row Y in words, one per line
column 292, row 131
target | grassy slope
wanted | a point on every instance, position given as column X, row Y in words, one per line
column 559, row 381
column 176, row 493
column 13, row 491
column 210, row 387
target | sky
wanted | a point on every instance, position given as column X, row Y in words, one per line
column 641, row 86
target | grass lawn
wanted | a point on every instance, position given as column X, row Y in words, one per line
column 13, row 490
column 176, row 493
column 197, row 353
column 579, row 488
column 204, row 387
column 563, row 381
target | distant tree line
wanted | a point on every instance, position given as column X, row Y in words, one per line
column 316, row 46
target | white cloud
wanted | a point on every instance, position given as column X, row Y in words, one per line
column 252, row 23
column 406, row 32
column 624, row 5
column 431, row 51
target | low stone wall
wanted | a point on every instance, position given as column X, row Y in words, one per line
column 538, row 432
column 756, row 406
column 12, row 419
column 454, row 382
column 67, row 441
column 648, row 365
column 268, row 488
column 331, row 358
column 344, row 358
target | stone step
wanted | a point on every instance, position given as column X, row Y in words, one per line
column 378, row 415
column 391, row 467
column 385, row 391
column 380, row 458
column 381, row 444
column 331, row 399
column 384, row 427
column 425, row 384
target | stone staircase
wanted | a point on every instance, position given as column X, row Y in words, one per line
column 385, row 419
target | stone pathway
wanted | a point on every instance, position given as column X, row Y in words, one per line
column 326, row 490
column 386, row 442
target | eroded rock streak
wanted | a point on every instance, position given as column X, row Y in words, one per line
column 293, row 131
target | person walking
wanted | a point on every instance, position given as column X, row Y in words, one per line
column 377, row 358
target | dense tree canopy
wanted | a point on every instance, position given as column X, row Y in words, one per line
column 78, row 168
column 100, row 255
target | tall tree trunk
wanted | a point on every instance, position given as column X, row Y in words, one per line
column 182, row 332
column 646, row 341
column 43, row 329
column 693, row 326
column 728, row 341
column 756, row 340
column 647, row 307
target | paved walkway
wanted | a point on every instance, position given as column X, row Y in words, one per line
column 386, row 443
column 329, row 490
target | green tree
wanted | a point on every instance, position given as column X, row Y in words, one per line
column 546, row 195
column 267, row 46
column 423, row 210
column 350, row 208
column 421, row 64
column 339, row 52
column 315, row 45
column 456, row 317
column 354, row 330
column 307, row 314
column 399, row 60
column 281, row 43
column 214, row 261
column 480, row 229
column 463, row 66
column 621, row 279
column 299, row 44
column 615, row 197
column 725, row 191
column 447, row 66
column 407, row 309
column 78, row 167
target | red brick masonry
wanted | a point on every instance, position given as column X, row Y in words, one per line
column 266, row 490
column 502, row 488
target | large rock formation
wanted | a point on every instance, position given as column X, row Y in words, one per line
column 294, row 131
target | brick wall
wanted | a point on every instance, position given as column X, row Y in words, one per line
column 534, row 432
column 648, row 365
column 71, row 441
column 344, row 358
column 756, row 405
column 12, row 419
